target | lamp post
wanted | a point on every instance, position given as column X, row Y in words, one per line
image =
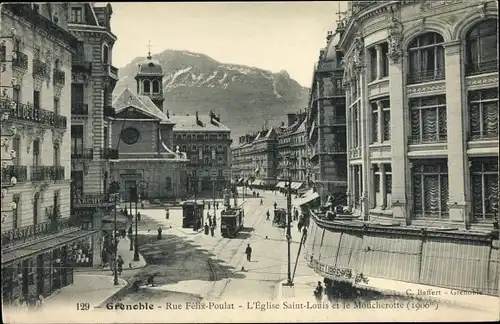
column 115, row 245
column 288, row 223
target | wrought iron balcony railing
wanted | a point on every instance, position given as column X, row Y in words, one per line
column 426, row 76
column 33, row 233
column 47, row 173
column 59, row 77
column 40, row 69
column 37, row 115
column 109, row 153
column 20, row 61
column 482, row 67
column 428, row 139
column 79, row 109
column 85, row 154
column 111, row 71
column 18, row 171
column 484, row 135
column 109, row 111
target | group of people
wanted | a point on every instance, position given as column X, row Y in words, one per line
column 210, row 224
column 21, row 304
column 215, row 205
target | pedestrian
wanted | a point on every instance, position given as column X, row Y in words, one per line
column 130, row 230
column 209, row 205
column 261, row 202
column 120, row 263
column 248, row 252
column 217, row 205
column 304, row 235
column 167, row 214
column 318, row 292
column 207, row 228
column 209, row 220
column 138, row 217
column 267, row 215
column 275, row 205
column 296, row 214
column 142, row 204
column 150, row 280
column 40, row 302
column 159, row 233
column 214, row 221
column 24, row 305
column 299, row 226
column 212, row 230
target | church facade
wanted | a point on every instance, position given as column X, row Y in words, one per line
column 142, row 134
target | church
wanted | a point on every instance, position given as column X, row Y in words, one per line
column 142, row 134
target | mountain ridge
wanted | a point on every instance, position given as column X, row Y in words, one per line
column 246, row 97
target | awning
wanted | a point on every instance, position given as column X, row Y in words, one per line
column 297, row 185
column 307, row 193
column 47, row 245
column 257, row 170
column 120, row 218
column 280, row 184
column 306, row 199
column 256, row 183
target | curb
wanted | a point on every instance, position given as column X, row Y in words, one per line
column 107, row 300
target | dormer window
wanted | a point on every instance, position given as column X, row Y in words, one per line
column 147, row 86
column 77, row 15
column 156, row 86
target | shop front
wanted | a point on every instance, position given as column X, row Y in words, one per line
column 40, row 268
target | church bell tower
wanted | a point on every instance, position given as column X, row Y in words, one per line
column 149, row 80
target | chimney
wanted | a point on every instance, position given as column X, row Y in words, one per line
column 291, row 118
column 329, row 35
column 168, row 114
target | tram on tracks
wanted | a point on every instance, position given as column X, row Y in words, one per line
column 232, row 218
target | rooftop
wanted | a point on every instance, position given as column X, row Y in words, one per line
column 127, row 99
column 189, row 123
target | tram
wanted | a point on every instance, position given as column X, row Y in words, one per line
column 280, row 215
column 232, row 220
column 192, row 214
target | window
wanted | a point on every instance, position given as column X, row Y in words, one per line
column 375, row 122
column 36, row 99
column 130, row 136
column 57, row 155
column 483, row 112
column 16, row 147
column 384, row 69
column 193, row 148
column 428, row 120
column 355, row 127
column 373, row 63
column 105, row 54
column 77, row 101
column 388, row 178
column 16, row 92
column 386, row 115
column 481, row 48
column 76, row 15
column 206, row 160
column 36, row 205
column 147, row 86
column 56, row 203
column 36, row 152
column 430, row 189
column 77, row 140
column 220, row 160
column 168, row 184
column 426, row 58
column 15, row 213
column 56, row 106
column 156, row 86
column 76, row 183
column 484, row 178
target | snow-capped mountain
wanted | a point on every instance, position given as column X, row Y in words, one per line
column 246, row 97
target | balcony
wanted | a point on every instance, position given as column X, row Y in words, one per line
column 111, row 71
column 109, row 154
column 92, row 201
column 39, row 116
column 428, row 139
column 81, row 66
column 18, row 171
column 40, row 69
column 27, row 13
column 425, row 76
column 109, row 111
column 47, row 173
column 59, row 77
column 20, row 61
column 33, row 233
column 336, row 121
column 482, row 67
column 79, row 109
column 85, row 154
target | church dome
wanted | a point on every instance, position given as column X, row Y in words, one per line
column 150, row 67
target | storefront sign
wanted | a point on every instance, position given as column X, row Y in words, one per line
column 332, row 271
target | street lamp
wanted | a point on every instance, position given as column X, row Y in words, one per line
column 115, row 245
column 289, row 220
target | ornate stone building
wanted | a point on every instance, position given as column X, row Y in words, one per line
column 93, row 78
column 326, row 129
column 412, row 154
column 39, row 241
column 421, row 81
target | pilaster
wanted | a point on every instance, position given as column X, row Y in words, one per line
column 378, row 50
column 455, row 132
column 398, row 141
column 364, row 137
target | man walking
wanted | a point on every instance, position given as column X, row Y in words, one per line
column 267, row 215
column 248, row 252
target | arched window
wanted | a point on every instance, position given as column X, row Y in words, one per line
column 156, row 86
column 168, row 184
column 36, row 207
column 426, row 58
column 147, row 86
column 481, row 48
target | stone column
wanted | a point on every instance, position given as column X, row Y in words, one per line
column 457, row 164
column 380, row 125
column 383, row 193
column 364, row 125
column 398, row 138
column 378, row 49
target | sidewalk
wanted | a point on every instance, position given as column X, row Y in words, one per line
column 86, row 288
column 304, row 286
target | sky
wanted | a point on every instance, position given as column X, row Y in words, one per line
column 269, row 35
